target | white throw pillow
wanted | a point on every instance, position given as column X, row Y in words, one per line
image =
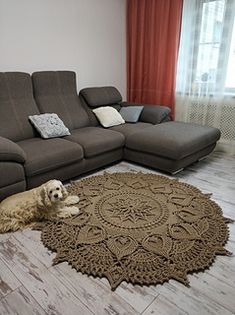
column 108, row 116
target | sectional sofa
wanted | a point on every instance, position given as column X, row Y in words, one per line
column 26, row 160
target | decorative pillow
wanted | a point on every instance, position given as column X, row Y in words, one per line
column 49, row 125
column 131, row 113
column 108, row 116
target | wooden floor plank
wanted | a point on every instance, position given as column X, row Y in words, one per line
column 223, row 267
column 192, row 300
column 99, row 297
column 218, row 291
column 32, row 241
column 50, row 293
column 20, row 302
column 162, row 306
column 8, row 281
column 4, row 237
column 139, row 297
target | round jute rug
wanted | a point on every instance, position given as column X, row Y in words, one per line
column 139, row 228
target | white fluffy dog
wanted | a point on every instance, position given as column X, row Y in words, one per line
column 45, row 202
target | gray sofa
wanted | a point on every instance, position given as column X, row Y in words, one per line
column 26, row 160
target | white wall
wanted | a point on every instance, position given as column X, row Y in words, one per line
column 87, row 36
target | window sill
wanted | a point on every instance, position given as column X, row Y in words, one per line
column 225, row 94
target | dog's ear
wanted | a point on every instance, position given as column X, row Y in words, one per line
column 64, row 192
column 45, row 198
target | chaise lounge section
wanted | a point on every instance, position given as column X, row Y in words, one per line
column 171, row 146
column 156, row 141
column 27, row 160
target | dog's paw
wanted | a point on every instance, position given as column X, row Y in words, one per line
column 67, row 212
column 73, row 210
column 64, row 214
column 72, row 200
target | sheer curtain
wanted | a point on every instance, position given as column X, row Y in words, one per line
column 205, row 84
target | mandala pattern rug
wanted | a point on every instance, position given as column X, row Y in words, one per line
column 139, row 228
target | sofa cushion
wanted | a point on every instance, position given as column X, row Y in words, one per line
column 16, row 104
column 174, row 140
column 45, row 155
column 96, row 140
column 56, row 92
column 101, row 96
column 128, row 128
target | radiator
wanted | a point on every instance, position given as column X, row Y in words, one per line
column 217, row 115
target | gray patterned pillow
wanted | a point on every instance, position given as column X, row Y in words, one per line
column 131, row 113
column 49, row 125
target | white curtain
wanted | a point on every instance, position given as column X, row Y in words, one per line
column 205, row 88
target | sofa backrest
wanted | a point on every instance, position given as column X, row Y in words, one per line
column 95, row 97
column 56, row 92
column 16, row 104
column 101, row 96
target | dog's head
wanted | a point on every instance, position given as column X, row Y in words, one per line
column 53, row 192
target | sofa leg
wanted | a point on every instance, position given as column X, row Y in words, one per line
column 203, row 158
column 176, row 172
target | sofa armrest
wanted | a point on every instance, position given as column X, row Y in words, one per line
column 10, row 151
column 154, row 114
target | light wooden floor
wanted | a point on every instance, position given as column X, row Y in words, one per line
column 29, row 284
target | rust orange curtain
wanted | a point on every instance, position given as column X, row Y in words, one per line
column 153, row 33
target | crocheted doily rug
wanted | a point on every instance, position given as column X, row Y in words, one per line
column 139, row 228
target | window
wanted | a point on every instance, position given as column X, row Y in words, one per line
column 216, row 48
column 230, row 78
column 206, row 64
column 209, row 42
